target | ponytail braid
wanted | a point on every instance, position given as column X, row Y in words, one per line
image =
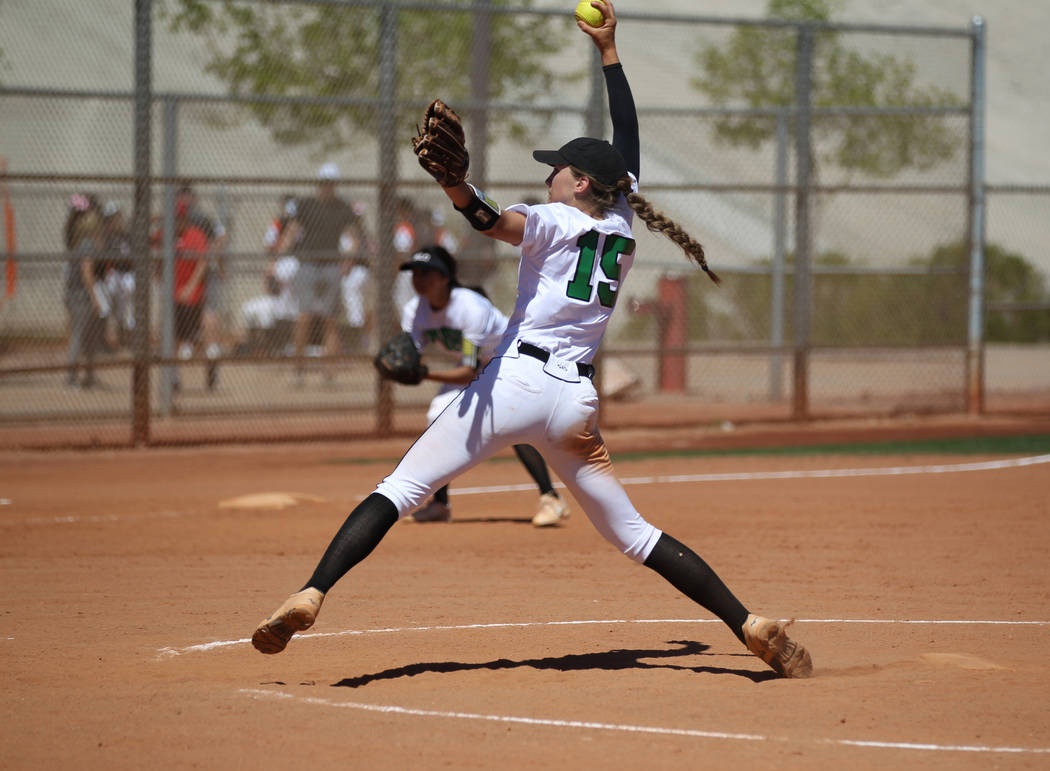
column 659, row 223
column 605, row 198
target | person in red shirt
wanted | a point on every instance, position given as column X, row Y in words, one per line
column 191, row 247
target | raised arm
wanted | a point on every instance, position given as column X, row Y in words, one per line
column 441, row 148
column 621, row 101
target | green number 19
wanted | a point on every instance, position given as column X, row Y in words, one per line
column 582, row 287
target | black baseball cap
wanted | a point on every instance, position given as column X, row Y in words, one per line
column 432, row 258
column 594, row 157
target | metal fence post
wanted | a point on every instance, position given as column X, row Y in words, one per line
column 480, row 61
column 167, row 283
column 975, row 326
column 387, row 170
column 140, row 396
column 481, row 248
column 776, row 310
column 803, row 295
column 595, row 118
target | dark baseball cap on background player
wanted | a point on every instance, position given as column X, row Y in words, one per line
column 595, row 157
column 432, row 258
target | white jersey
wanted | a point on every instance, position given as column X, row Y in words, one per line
column 469, row 326
column 572, row 267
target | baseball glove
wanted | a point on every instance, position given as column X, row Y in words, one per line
column 440, row 145
column 398, row 360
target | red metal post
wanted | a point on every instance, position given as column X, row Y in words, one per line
column 672, row 333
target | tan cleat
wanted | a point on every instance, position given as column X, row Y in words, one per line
column 768, row 640
column 431, row 512
column 296, row 614
column 552, row 510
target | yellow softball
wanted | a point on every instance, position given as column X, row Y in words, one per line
column 588, row 14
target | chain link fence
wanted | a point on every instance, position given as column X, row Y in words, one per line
column 833, row 184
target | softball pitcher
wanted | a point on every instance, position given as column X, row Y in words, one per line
column 576, row 252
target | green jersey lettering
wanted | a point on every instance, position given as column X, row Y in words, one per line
column 612, row 247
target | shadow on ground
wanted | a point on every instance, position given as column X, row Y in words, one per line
column 608, row 660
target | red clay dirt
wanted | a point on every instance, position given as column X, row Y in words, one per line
column 130, row 591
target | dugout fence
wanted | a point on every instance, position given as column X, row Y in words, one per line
column 850, row 226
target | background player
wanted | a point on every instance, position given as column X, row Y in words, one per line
column 576, row 251
column 465, row 323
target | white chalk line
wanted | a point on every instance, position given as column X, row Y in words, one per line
column 747, row 476
column 627, row 728
column 170, row 652
column 739, row 476
column 96, row 518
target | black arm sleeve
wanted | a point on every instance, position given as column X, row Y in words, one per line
column 624, row 116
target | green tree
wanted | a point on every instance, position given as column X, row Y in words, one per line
column 926, row 308
column 756, row 69
column 305, row 50
column 848, row 308
column 1008, row 278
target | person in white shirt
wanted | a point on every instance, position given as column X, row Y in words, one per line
column 576, row 252
column 357, row 289
column 269, row 317
column 276, row 307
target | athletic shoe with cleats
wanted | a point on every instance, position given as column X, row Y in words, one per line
column 432, row 512
column 768, row 640
column 552, row 510
column 298, row 613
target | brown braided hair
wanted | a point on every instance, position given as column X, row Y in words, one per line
column 605, row 197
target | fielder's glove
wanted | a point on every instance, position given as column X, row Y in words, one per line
column 398, row 360
column 440, row 145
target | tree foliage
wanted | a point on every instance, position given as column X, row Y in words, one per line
column 332, row 51
column 756, row 69
column 1008, row 279
column 930, row 307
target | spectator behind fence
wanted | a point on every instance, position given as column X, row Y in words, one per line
column 270, row 317
column 213, row 313
column 119, row 276
column 319, row 227
column 84, row 296
column 439, row 233
column 408, row 226
column 191, row 249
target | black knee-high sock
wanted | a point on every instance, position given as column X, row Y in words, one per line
column 694, row 578
column 536, row 467
column 359, row 535
column 441, row 496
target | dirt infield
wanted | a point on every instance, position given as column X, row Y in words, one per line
column 129, row 590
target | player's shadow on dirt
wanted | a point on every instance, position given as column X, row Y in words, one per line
column 608, row 660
